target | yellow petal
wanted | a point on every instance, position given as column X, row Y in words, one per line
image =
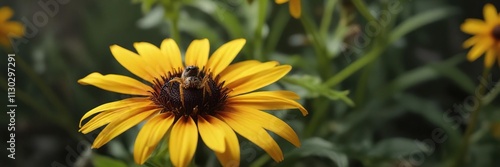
column 495, row 130
column 223, row 56
column 267, row 121
column 236, row 66
column 475, row 26
column 5, row 13
column 170, row 49
column 295, row 9
column 133, row 63
column 490, row 14
column 479, row 48
column 258, row 80
column 116, row 83
column 230, row 157
column 197, row 53
column 212, row 135
column 471, row 41
column 101, row 119
column 106, row 117
column 274, row 94
column 138, row 101
column 243, row 71
column 15, row 29
column 5, row 41
column 281, row 1
column 183, row 140
column 149, row 136
column 153, row 57
column 120, row 125
column 489, row 59
column 265, row 101
column 255, row 134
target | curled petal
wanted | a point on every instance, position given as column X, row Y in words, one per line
column 116, row 83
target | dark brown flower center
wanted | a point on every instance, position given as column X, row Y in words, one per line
column 496, row 32
column 185, row 93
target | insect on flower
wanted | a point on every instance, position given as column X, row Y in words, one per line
column 201, row 98
column 190, row 79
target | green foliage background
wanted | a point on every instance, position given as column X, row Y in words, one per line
column 385, row 82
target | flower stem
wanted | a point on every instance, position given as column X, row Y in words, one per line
column 488, row 98
column 258, row 30
column 176, row 35
column 261, row 161
column 51, row 96
column 63, row 122
column 278, row 25
column 327, row 17
column 320, row 107
column 471, row 125
column 172, row 11
column 371, row 56
column 364, row 10
column 318, row 44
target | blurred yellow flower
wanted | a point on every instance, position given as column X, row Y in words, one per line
column 486, row 36
column 495, row 130
column 8, row 28
column 295, row 7
column 205, row 97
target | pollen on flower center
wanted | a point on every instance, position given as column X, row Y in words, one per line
column 496, row 32
column 181, row 97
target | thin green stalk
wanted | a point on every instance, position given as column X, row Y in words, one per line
column 361, row 6
column 327, row 17
column 258, row 30
column 175, row 30
column 62, row 111
column 320, row 112
column 261, row 161
column 318, row 44
column 172, row 9
column 277, row 27
column 371, row 56
column 488, row 98
column 43, row 111
column 362, row 84
column 471, row 125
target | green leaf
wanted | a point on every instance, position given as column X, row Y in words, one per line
column 160, row 157
column 317, row 147
column 420, row 20
column 146, row 4
column 434, row 114
column 152, row 18
column 104, row 161
column 198, row 28
column 432, row 71
column 313, row 84
column 398, row 147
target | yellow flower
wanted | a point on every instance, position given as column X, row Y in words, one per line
column 495, row 130
column 295, row 9
column 8, row 28
column 486, row 36
column 208, row 97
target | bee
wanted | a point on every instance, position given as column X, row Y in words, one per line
column 191, row 79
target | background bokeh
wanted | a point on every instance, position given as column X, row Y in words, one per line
column 407, row 107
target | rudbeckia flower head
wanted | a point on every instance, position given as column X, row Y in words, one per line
column 201, row 97
column 8, row 28
column 486, row 36
column 294, row 7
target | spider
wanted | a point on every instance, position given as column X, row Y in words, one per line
column 190, row 79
